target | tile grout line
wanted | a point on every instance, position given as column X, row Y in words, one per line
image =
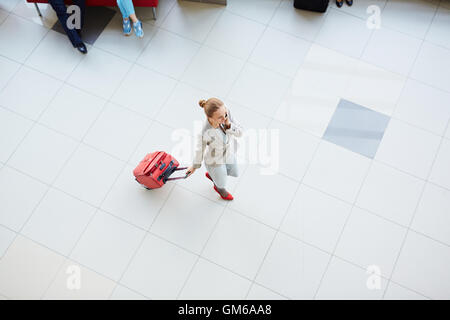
column 22, row 65
column 277, row 230
column 333, row 254
column 81, row 142
column 193, row 253
column 243, row 171
column 169, row 126
column 409, row 227
column 62, row 168
column 429, row 171
column 406, row 78
column 169, row 194
column 272, row 119
column 147, row 231
column 226, row 204
column 247, row 60
column 48, row 186
column 351, row 211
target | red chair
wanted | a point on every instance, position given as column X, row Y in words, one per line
column 106, row 3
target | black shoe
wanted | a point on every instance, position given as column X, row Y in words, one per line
column 349, row 2
column 82, row 48
column 339, row 3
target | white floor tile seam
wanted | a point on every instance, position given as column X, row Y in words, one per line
column 227, row 95
column 101, row 204
column 414, row 176
column 414, row 212
column 209, row 237
column 161, row 27
column 423, row 40
column 36, row 122
column 48, row 185
column 373, row 214
column 356, row 16
column 359, row 206
column 267, row 288
column 14, row 10
column 236, row 79
column 362, row 268
column 251, row 52
column 124, row 164
column 67, row 258
column 406, row 77
column 99, row 208
column 42, row 38
column 178, row 81
column 254, row 20
column 193, row 135
column 14, row 74
column 129, row 159
column 7, row 13
column 195, row 87
column 147, row 232
column 250, row 62
column 242, row 173
column 15, row 236
column 201, row 251
column 132, row 61
column 372, row 31
column 419, row 127
column 146, row 117
column 21, row 141
column 402, row 286
column 229, row 99
column 343, row 227
column 431, row 22
column 325, row 15
column 284, row 215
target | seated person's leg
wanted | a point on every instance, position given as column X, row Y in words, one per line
column 126, row 18
column 61, row 12
column 127, row 9
column 82, row 5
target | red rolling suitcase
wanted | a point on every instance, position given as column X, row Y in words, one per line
column 154, row 171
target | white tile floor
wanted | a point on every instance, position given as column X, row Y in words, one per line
column 73, row 127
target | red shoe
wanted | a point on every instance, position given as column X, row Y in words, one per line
column 208, row 176
column 228, row 197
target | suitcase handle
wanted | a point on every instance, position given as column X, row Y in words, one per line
column 177, row 178
column 162, row 175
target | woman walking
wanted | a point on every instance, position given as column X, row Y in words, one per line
column 217, row 134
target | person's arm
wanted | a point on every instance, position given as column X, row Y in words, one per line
column 232, row 126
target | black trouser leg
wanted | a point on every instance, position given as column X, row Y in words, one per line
column 61, row 12
column 82, row 5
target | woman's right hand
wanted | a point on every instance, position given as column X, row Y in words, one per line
column 190, row 171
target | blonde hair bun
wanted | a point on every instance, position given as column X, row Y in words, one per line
column 202, row 103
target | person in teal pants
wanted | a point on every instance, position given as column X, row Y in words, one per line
column 127, row 9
